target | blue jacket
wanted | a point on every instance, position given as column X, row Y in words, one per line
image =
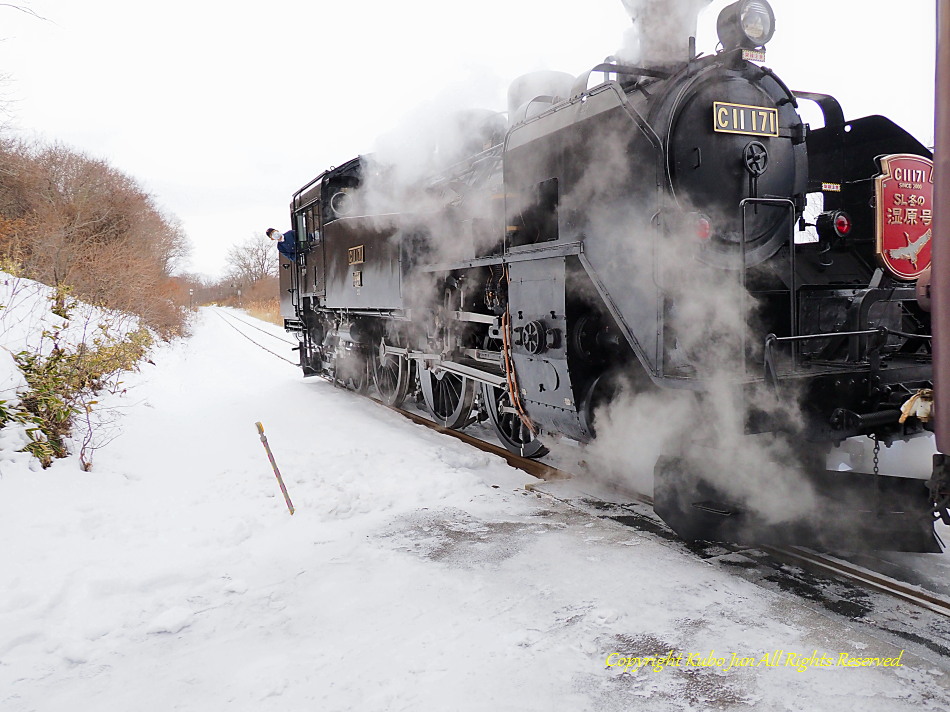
column 288, row 246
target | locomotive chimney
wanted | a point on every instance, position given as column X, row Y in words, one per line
column 661, row 30
column 940, row 285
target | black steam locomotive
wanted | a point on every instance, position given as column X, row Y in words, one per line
column 675, row 228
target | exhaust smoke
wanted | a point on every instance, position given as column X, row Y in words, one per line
column 660, row 30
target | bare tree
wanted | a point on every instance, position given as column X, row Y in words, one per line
column 253, row 260
column 5, row 113
column 22, row 8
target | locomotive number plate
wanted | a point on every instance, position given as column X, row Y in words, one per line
column 354, row 255
column 744, row 119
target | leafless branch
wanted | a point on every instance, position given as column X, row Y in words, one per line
column 26, row 10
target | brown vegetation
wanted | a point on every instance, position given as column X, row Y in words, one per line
column 251, row 282
column 259, row 299
column 68, row 219
column 266, row 311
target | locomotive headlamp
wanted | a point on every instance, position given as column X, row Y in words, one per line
column 747, row 24
column 833, row 224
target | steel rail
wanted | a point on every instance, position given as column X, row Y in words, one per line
column 534, row 468
column 260, row 346
column 828, row 564
column 263, row 331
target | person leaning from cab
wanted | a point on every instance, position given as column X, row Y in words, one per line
column 286, row 243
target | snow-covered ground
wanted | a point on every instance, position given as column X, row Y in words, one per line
column 416, row 574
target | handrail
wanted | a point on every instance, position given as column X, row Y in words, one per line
column 792, row 288
column 771, row 375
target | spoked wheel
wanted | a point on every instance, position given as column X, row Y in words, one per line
column 391, row 374
column 448, row 397
column 513, row 433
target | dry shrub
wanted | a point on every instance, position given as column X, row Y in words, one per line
column 68, row 219
column 263, row 290
column 259, row 298
column 267, row 310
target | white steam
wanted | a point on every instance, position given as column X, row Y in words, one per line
column 707, row 325
column 660, row 30
column 409, row 176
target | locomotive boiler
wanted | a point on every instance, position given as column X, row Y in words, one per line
column 672, row 227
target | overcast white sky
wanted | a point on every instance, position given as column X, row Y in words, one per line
column 222, row 110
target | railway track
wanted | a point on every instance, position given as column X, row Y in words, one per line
column 813, row 561
column 816, row 562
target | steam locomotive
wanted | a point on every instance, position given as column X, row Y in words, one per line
column 667, row 229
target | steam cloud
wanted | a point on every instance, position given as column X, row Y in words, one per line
column 707, row 326
column 660, row 29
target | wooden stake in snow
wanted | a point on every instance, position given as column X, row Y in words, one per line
column 270, row 456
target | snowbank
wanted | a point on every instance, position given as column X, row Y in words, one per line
column 27, row 323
